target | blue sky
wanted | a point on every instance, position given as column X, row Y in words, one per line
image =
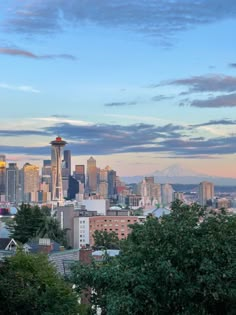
column 140, row 85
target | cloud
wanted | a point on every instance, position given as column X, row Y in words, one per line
column 159, row 98
column 216, row 102
column 224, row 122
column 21, row 88
column 114, row 104
column 98, row 138
column 105, row 139
column 208, row 83
column 160, row 18
column 28, row 54
column 20, row 133
column 60, row 116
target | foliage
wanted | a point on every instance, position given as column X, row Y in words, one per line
column 106, row 240
column 184, row 264
column 29, row 285
column 31, row 222
column 138, row 212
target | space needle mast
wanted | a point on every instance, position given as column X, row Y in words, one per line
column 56, row 167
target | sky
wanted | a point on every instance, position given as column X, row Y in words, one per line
column 139, row 85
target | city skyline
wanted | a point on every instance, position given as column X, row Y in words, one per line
column 139, row 86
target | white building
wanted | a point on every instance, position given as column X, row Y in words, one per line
column 81, row 231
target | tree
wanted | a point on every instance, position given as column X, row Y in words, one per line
column 31, row 222
column 182, row 264
column 29, row 285
column 106, row 240
column 26, row 223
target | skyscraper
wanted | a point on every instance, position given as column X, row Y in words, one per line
column 67, row 161
column 206, row 193
column 30, row 180
column 2, row 177
column 12, row 183
column 56, row 164
column 91, row 175
column 79, row 173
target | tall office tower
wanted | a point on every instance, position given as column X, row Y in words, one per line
column 150, row 192
column 67, row 161
column 2, row 177
column 91, row 175
column 149, row 180
column 166, row 194
column 30, row 181
column 79, row 173
column 206, row 193
column 12, row 183
column 47, row 173
column 103, row 183
column 56, row 168
column 111, row 179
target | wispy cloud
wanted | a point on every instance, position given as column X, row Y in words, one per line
column 208, row 83
column 28, row 54
column 215, row 102
column 223, row 122
column 106, row 139
column 116, row 104
column 159, row 98
column 21, row 88
column 159, row 19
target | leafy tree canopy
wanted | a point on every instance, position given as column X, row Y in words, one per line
column 184, row 264
column 32, row 222
column 106, row 240
column 29, row 285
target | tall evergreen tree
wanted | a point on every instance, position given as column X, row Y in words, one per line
column 31, row 222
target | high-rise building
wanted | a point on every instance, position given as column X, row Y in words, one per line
column 166, row 194
column 12, row 183
column 206, row 193
column 111, row 180
column 150, row 192
column 47, row 174
column 30, row 181
column 2, row 177
column 79, row 173
column 67, row 161
column 91, row 175
column 56, row 167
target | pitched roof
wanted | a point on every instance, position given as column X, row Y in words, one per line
column 4, row 242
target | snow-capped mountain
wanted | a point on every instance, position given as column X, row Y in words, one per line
column 176, row 171
column 176, row 174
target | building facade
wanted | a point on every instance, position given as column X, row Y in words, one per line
column 206, row 193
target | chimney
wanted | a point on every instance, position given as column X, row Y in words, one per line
column 85, row 255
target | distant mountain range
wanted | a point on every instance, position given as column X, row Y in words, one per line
column 175, row 174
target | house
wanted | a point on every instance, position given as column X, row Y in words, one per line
column 7, row 247
column 8, row 244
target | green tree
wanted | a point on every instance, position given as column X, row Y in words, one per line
column 184, row 264
column 106, row 240
column 26, row 223
column 29, row 285
column 32, row 222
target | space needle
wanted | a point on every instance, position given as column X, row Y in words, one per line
column 56, row 167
